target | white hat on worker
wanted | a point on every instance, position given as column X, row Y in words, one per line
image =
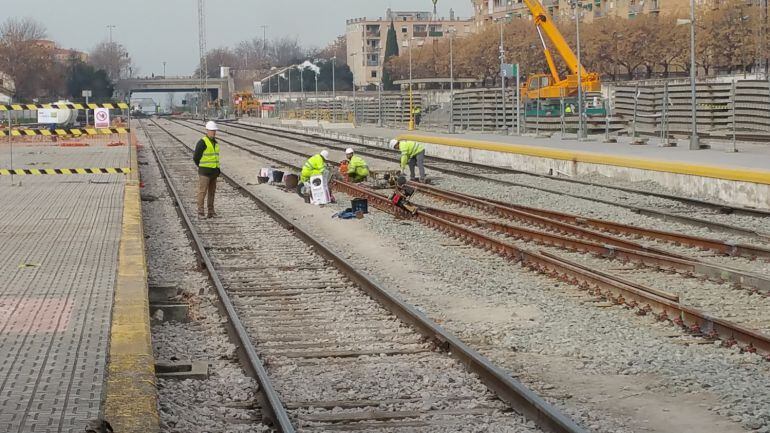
column 349, row 150
column 325, row 154
column 393, row 143
column 211, row 126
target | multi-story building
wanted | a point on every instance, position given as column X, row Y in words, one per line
column 366, row 39
column 60, row 54
column 486, row 11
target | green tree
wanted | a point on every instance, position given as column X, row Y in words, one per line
column 82, row 76
column 391, row 50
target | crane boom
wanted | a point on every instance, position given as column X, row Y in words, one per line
column 544, row 22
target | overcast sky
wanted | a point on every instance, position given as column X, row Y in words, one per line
column 167, row 30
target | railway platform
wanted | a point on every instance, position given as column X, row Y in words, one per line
column 72, row 244
column 738, row 178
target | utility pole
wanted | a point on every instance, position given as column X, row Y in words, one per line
column 334, row 89
column 110, row 27
column 451, row 82
column 264, row 41
column 502, row 74
column 581, row 130
column 164, row 69
column 694, row 140
column 204, row 65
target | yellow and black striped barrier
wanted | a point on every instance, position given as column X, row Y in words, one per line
column 64, row 132
column 71, row 106
column 66, row 171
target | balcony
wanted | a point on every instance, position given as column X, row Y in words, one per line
column 372, row 63
column 373, row 34
column 436, row 34
column 420, row 34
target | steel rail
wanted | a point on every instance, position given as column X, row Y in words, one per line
column 578, row 223
column 270, row 402
column 513, row 392
column 694, row 321
column 722, row 208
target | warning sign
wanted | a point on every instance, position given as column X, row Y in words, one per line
column 102, row 118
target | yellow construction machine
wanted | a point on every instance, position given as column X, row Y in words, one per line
column 245, row 103
column 550, row 94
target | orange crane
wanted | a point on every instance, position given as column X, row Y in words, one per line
column 551, row 88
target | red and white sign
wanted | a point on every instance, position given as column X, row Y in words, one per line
column 102, row 118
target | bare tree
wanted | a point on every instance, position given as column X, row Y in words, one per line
column 219, row 57
column 28, row 60
column 113, row 58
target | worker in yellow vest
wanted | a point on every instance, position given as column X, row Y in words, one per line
column 206, row 157
column 412, row 154
column 358, row 170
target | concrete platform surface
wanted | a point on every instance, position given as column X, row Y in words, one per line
column 754, row 156
column 58, row 266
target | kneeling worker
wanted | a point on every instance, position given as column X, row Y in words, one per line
column 412, row 153
column 358, row 171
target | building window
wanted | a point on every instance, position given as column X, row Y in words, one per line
column 404, row 29
column 374, row 74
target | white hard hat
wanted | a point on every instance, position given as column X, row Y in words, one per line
column 211, row 126
column 325, row 154
column 349, row 150
column 393, row 143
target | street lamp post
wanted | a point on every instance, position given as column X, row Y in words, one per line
column 334, row 90
column 694, row 141
column 164, row 69
column 581, row 130
column 502, row 74
column 408, row 43
column 451, row 82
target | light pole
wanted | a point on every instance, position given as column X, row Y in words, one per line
column 264, row 40
column 110, row 27
column 408, row 44
column 334, row 89
column 164, row 69
column 355, row 113
column 451, row 82
column 581, row 130
column 694, row 141
column 502, row 74
column 317, row 110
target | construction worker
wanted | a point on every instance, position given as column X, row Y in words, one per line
column 358, row 170
column 206, row 157
column 417, row 114
column 413, row 154
column 315, row 165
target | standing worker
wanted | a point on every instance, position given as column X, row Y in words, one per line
column 358, row 170
column 417, row 113
column 412, row 153
column 206, row 157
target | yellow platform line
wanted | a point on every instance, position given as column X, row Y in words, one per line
column 131, row 402
column 702, row 170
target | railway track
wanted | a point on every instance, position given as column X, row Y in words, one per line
column 637, row 296
column 342, row 353
column 681, row 209
column 553, row 220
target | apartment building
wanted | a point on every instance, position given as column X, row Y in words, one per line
column 366, row 38
column 486, row 11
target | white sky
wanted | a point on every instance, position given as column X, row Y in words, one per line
column 155, row 31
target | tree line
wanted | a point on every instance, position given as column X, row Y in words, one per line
column 260, row 58
column 39, row 74
column 729, row 40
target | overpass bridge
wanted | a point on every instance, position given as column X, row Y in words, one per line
column 216, row 87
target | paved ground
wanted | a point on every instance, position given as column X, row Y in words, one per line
column 59, row 237
column 750, row 155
